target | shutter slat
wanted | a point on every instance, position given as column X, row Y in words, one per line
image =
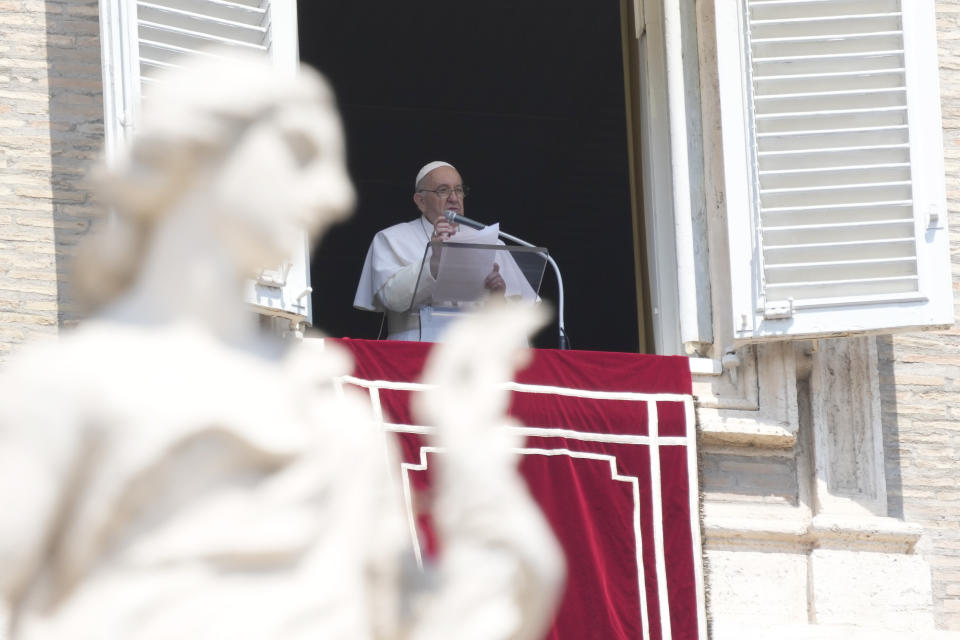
column 821, row 95
column 162, row 34
column 252, row 12
column 832, row 133
column 833, row 197
column 860, row 43
column 811, row 145
column 833, row 176
column 835, row 229
column 823, row 293
column 827, row 83
column 832, row 38
column 807, row 65
column 826, row 272
column 856, row 73
column 862, row 249
column 850, row 205
column 155, row 57
column 155, row 54
column 831, row 101
column 171, row 29
column 154, row 66
column 833, row 151
column 860, row 58
column 780, row 10
column 822, row 29
column 835, row 119
column 838, row 169
column 832, row 113
column 793, row 235
column 820, row 19
column 183, row 27
column 846, row 4
column 818, row 158
column 857, row 213
column 836, row 187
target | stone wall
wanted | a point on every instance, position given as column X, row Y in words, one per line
column 51, row 125
column 920, row 383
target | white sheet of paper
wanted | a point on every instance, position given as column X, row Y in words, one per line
column 462, row 271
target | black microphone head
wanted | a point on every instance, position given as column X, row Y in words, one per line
column 450, row 215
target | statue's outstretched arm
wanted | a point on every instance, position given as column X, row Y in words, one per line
column 500, row 570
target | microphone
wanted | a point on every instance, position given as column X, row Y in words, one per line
column 456, row 218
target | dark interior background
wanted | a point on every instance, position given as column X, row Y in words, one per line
column 526, row 99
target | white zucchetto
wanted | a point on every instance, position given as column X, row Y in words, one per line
column 430, row 166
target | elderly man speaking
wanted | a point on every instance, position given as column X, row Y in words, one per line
column 392, row 266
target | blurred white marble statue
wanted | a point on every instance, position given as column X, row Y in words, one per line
column 168, row 472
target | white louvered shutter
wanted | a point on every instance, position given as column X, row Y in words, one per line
column 834, row 166
column 140, row 39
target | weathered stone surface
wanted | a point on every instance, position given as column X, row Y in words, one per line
column 894, row 593
column 759, row 586
column 51, row 126
column 920, row 383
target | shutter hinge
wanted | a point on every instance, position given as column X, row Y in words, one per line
column 731, row 363
column 780, row 310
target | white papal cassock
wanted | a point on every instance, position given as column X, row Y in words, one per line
column 391, row 270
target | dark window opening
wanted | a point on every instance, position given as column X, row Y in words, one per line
column 527, row 100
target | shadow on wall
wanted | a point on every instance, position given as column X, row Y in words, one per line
column 75, row 89
column 891, row 427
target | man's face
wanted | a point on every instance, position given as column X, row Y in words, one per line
column 432, row 205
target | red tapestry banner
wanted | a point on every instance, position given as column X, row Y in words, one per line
column 610, row 457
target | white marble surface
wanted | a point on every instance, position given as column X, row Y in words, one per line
column 166, row 471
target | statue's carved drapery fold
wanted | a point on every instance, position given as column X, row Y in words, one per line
column 168, row 471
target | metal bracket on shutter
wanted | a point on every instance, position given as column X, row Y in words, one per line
column 934, row 219
column 275, row 278
column 779, row 310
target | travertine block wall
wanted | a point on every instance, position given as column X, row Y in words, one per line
column 920, row 382
column 51, row 125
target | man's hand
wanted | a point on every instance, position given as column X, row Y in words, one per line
column 443, row 229
column 494, row 282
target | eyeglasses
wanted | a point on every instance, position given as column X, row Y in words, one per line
column 444, row 192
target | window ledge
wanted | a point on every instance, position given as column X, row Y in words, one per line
column 847, row 533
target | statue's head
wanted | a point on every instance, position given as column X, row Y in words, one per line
column 262, row 150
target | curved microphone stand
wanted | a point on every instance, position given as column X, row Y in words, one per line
column 454, row 217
